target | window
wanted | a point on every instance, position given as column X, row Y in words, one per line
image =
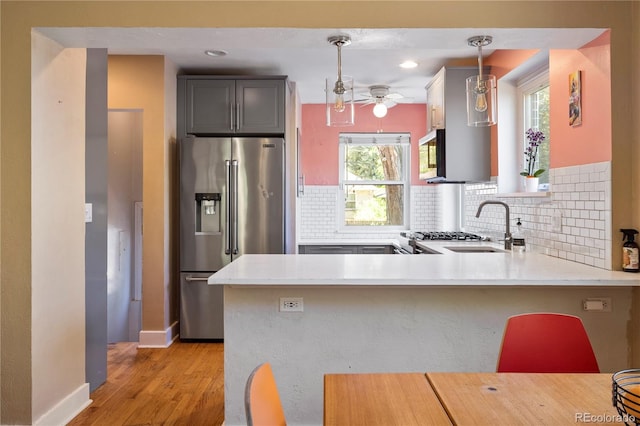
column 534, row 92
column 374, row 180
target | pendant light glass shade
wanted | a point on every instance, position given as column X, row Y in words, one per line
column 340, row 107
column 481, row 90
column 339, row 91
column 481, row 96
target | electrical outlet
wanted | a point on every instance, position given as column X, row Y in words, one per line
column 291, row 304
column 601, row 304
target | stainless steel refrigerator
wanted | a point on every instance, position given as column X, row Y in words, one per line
column 231, row 203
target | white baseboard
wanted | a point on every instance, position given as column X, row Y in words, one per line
column 64, row 411
column 159, row 339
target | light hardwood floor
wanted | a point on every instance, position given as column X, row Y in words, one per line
column 179, row 385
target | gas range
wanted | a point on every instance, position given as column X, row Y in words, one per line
column 409, row 243
column 443, row 236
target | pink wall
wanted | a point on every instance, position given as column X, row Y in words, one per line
column 319, row 143
column 589, row 142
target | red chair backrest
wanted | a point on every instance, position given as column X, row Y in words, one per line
column 262, row 401
column 546, row 343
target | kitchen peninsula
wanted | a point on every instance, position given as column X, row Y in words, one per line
column 390, row 313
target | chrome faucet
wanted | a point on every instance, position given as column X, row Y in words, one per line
column 507, row 234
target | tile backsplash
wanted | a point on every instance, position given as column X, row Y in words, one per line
column 572, row 222
column 318, row 214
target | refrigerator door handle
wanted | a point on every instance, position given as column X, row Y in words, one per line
column 189, row 278
column 238, row 119
column 235, row 206
column 227, row 240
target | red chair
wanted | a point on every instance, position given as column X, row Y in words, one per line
column 546, row 343
column 261, row 399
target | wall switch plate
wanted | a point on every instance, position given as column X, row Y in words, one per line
column 291, row 304
column 601, row 304
column 88, row 212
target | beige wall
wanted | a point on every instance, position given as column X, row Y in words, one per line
column 0, row 222
column 16, row 247
column 57, row 224
column 171, row 312
column 634, row 327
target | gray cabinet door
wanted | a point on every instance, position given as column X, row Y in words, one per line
column 225, row 107
column 260, row 106
column 210, row 106
column 377, row 249
column 318, row 249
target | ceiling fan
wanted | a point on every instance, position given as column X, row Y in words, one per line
column 382, row 97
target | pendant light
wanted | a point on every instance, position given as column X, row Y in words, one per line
column 481, row 90
column 340, row 108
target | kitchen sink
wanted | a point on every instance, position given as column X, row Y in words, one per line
column 474, row 249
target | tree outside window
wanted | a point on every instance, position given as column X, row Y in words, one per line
column 374, row 179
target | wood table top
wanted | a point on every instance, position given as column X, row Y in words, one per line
column 384, row 399
column 526, row 398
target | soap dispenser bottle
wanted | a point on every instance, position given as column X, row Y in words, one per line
column 518, row 245
column 630, row 251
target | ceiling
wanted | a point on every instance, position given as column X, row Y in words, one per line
column 307, row 58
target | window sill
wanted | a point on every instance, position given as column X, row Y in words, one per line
column 539, row 194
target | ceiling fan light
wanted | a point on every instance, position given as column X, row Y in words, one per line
column 380, row 110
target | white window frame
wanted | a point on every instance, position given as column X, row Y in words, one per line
column 526, row 86
column 370, row 139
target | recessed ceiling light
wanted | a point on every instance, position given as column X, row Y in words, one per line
column 215, row 53
column 408, row 64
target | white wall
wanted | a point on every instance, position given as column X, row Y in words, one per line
column 57, row 221
column 351, row 330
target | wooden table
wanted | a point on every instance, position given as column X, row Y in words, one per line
column 402, row 399
column 525, row 398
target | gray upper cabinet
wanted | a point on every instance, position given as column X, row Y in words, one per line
column 222, row 106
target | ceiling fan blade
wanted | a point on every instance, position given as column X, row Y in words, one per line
column 394, row 96
column 389, row 103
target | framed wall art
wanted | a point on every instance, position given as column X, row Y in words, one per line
column 575, row 95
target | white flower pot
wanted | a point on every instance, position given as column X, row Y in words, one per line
column 531, row 184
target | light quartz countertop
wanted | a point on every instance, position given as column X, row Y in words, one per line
column 499, row 269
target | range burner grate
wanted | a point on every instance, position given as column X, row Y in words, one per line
column 457, row 236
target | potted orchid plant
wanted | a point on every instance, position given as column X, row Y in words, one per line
column 534, row 139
